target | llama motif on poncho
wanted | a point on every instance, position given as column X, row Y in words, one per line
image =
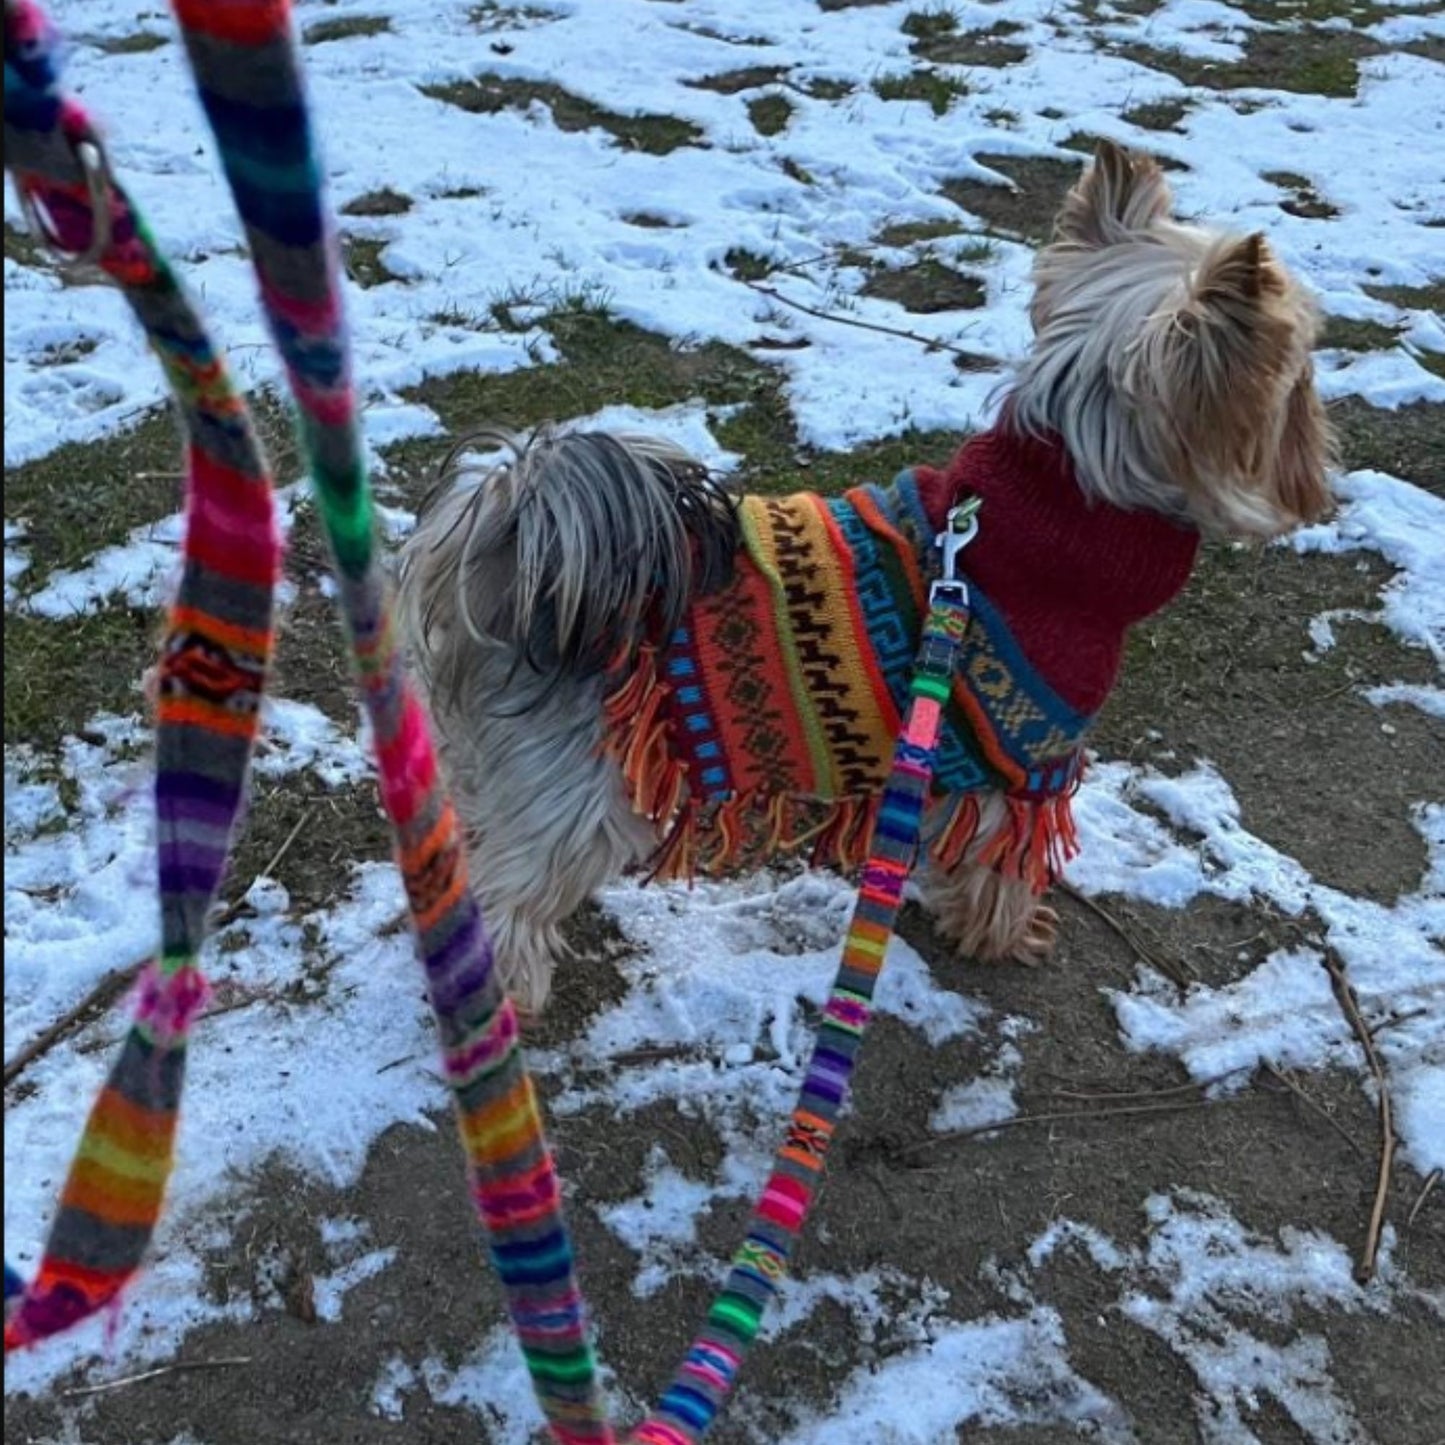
column 767, row 720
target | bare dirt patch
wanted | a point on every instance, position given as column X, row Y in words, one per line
column 486, row 95
column 1027, row 208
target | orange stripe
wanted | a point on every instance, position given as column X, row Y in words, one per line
column 244, row 639
column 507, row 1124
column 110, row 1197
column 427, row 917
column 438, row 839
column 196, row 713
column 797, row 1156
column 131, row 1126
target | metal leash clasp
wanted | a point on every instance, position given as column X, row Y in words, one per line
column 94, row 168
column 959, row 530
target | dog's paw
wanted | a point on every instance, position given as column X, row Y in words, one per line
column 1039, row 938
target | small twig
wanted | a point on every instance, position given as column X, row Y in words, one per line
column 1294, row 1087
column 1395, row 1020
column 1350, row 1007
column 180, row 1366
column 1431, row 1180
column 261, row 995
column 226, row 916
column 114, row 984
column 397, row 1063
column 1174, row 972
column 1173, row 1090
column 929, row 343
column 660, row 1055
column 1059, row 1116
column 101, row 997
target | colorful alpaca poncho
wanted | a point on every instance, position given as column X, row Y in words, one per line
column 766, row 722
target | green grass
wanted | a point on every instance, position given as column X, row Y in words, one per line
column 1307, row 62
column 59, row 674
column 79, row 499
column 1304, row 200
column 1345, row 335
column 733, row 82
column 657, row 135
column 937, row 37
column 770, row 114
column 141, row 42
column 493, row 16
column 362, row 257
column 937, row 90
column 825, row 89
column 385, row 202
column 747, row 265
column 910, row 233
column 1157, row 115
column 1432, row 361
column 348, row 27
column 1430, row 297
column 927, row 287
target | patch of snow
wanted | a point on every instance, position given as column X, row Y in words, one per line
column 1404, row 524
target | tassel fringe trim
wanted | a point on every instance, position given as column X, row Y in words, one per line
column 1033, row 841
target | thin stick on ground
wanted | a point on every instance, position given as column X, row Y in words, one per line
column 1350, row 1007
column 100, row 998
column 929, row 343
column 1172, row 971
column 1431, row 1180
column 224, row 917
column 114, row 984
column 954, row 1136
column 1318, row 1108
column 179, row 1367
column 1193, row 1086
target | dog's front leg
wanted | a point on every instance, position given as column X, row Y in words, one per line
column 990, row 916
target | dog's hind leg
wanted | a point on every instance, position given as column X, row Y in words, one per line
column 547, row 822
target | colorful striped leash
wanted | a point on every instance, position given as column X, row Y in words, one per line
column 216, row 658
column 709, row 1370
column 248, row 76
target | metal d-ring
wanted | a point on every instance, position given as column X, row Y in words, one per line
column 98, row 185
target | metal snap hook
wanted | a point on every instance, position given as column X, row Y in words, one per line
column 98, row 184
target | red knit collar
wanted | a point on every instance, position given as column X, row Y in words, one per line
column 1070, row 574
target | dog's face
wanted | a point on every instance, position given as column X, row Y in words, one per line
column 1174, row 360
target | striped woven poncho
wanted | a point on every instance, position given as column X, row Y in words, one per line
column 767, row 721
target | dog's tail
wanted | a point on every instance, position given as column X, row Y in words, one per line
column 568, row 553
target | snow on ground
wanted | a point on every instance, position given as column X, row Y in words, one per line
column 538, row 212
column 721, row 979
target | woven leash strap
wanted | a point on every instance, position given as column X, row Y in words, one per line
column 710, row 1368
column 217, row 652
column 215, row 663
column 216, row 656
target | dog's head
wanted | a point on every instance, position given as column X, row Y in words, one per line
column 1174, row 361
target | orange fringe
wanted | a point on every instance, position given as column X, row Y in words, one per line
column 1033, row 841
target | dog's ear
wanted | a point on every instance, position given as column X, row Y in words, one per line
column 1306, row 454
column 1242, row 271
column 1122, row 192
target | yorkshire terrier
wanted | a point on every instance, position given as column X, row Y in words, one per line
column 633, row 669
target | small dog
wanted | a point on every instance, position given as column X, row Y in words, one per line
column 631, row 668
